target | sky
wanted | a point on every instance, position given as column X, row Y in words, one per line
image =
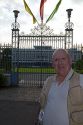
column 57, row 23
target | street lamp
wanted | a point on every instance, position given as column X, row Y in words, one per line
column 69, row 30
column 16, row 15
column 69, row 13
column 15, row 25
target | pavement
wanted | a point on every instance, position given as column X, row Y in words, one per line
column 20, row 93
column 19, row 105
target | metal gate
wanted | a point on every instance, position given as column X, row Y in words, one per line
column 31, row 54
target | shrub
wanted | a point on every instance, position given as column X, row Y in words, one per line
column 3, row 80
column 78, row 65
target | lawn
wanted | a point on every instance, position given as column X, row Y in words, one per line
column 36, row 70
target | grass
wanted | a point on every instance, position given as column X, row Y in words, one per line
column 36, row 70
column 79, row 71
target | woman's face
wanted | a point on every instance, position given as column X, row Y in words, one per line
column 61, row 63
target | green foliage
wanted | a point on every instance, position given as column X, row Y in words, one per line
column 79, row 71
column 78, row 65
column 1, row 70
column 6, row 59
column 3, row 80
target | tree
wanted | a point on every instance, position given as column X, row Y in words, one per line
column 6, row 58
column 78, row 66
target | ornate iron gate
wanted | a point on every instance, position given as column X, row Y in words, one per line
column 31, row 54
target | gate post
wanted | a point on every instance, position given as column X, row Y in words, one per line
column 15, row 51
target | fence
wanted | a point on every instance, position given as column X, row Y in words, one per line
column 5, row 57
column 33, row 66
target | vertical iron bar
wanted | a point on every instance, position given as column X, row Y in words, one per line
column 41, row 58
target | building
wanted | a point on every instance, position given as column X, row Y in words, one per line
column 39, row 56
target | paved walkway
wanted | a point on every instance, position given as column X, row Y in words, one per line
column 19, row 106
column 20, row 93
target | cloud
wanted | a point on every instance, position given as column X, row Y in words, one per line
column 77, row 1
column 25, row 20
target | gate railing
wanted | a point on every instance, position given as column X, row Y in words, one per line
column 34, row 65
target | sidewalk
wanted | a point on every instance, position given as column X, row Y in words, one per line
column 20, row 93
column 19, row 106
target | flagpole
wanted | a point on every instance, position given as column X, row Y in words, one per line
column 41, row 26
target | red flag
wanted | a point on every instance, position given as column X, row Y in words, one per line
column 42, row 8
